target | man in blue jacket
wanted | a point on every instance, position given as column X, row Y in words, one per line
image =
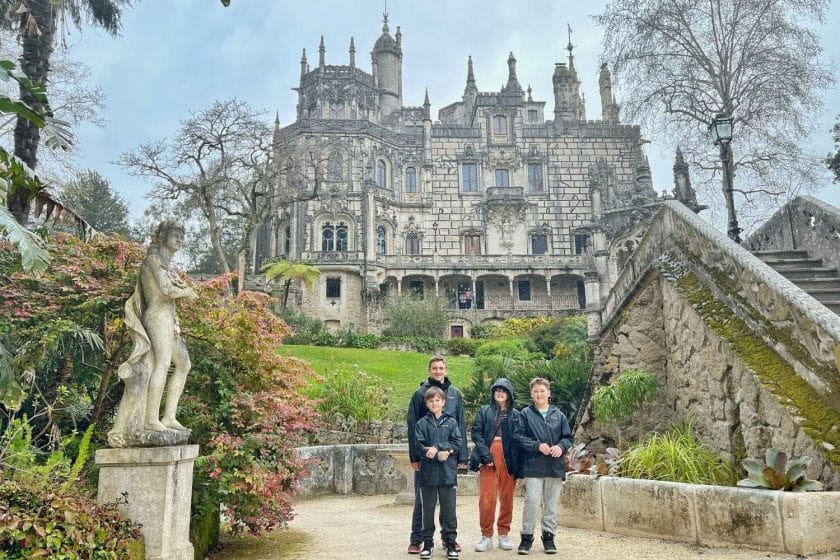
column 543, row 435
column 454, row 406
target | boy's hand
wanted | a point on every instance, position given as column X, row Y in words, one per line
column 431, row 452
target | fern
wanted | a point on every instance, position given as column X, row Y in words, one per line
column 79, row 462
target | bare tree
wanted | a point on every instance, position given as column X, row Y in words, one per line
column 833, row 160
column 682, row 61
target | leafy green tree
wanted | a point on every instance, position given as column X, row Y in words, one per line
column 628, row 397
column 416, row 316
column 833, row 160
column 288, row 272
column 36, row 21
column 92, row 197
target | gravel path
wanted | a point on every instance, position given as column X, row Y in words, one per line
column 374, row 527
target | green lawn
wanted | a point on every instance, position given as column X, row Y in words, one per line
column 401, row 371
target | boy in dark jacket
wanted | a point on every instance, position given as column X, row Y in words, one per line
column 497, row 473
column 454, row 406
column 543, row 435
column 437, row 440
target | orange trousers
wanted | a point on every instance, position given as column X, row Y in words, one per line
column 495, row 485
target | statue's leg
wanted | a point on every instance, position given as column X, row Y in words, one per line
column 161, row 340
column 176, row 384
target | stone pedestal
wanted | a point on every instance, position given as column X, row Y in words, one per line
column 157, row 484
column 403, row 463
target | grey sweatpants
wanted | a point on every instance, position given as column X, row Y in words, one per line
column 448, row 522
column 541, row 493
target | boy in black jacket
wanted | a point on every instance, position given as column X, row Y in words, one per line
column 543, row 435
column 437, row 440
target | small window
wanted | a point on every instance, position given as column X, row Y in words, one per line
column 381, row 174
column 533, row 115
column 535, row 177
column 524, row 290
column 287, row 240
column 581, row 240
column 334, row 167
column 415, row 287
column 410, row 179
column 341, row 238
column 539, row 244
column 412, row 244
column 499, row 124
column 472, row 244
column 380, row 240
column 502, row 178
column 327, row 238
column 469, row 172
column 333, row 287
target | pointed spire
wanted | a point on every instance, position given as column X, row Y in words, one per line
column 427, row 114
column 352, row 53
column 570, row 47
column 398, row 37
column 470, row 88
column 385, row 28
column 304, row 65
column 277, row 119
column 512, row 83
column 321, row 51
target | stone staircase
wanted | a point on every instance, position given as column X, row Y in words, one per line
column 811, row 275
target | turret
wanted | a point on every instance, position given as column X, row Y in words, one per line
column 427, row 129
column 609, row 109
column 683, row 191
column 512, row 85
column 568, row 105
column 470, row 90
column 304, row 66
column 352, row 53
column 387, row 59
column 321, row 52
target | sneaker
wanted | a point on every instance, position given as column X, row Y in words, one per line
column 452, row 552
column 525, row 544
column 548, row 543
column 457, row 546
column 484, row 544
column 427, row 551
column 415, row 548
column 504, row 543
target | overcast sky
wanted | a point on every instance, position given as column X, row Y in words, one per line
column 174, row 56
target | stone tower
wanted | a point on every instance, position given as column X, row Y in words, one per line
column 568, row 104
column 609, row 107
column 386, row 58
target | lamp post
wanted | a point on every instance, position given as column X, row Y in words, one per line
column 435, row 228
column 721, row 130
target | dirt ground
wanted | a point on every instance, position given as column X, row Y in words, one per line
column 374, row 527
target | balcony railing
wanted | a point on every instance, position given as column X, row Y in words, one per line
column 508, row 303
column 482, row 261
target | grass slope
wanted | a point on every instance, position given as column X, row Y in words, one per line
column 402, row 371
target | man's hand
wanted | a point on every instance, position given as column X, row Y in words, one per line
column 431, row 452
column 544, row 448
column 415, row 466
column 556, row 451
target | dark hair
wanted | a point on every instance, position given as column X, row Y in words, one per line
column 433, row 392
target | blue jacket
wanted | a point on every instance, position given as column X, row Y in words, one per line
column 454, row 407
column 531, row 430
column 484, row 430
column 444, row 434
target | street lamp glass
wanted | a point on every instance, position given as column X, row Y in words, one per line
column 721, row 129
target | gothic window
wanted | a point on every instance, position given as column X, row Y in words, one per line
column 333, row 287
column 334, row 167
column 327, row 237
column 472, row 244
column 539, row 244
column 469, row 177
column 410, row 179
column 381, row 174
column 502, row 178
column 580, row 243
column 499, row 124
column 341, row 238
column 535, row 177
column 412, row 244
column 287, row 240
column 523, row 289
column 380, row 240
column 533, row 115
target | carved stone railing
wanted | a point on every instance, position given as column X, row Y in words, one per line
column 329, row 257
column 804, row 222
column 775, row 297
column 460, row 262
column 535, row 304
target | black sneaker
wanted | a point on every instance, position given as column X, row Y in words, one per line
column 548, row 543
column 525, row 544
column 428, row 548
column 452, row 552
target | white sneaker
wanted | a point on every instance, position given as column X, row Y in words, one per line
column 486, row 543
column 504, row 543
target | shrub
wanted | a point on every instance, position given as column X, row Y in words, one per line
column 351, row 392
column 776, row 473
column 324, row 338
column 462, row 346
column 481, row 331
column 629, row 396
column 573, row 340
column 676, row 456
column 416, row 316
column 361, row 340
column 517, row 327
column 568, row 378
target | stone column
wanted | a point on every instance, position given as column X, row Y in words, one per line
column 593, row 302
column 399, row 287
column 549, row 303
column 156, row 483
column 510, row 291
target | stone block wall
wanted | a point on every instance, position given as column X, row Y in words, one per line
column 347, row 430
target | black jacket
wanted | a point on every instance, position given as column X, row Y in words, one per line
column 484, row 430
column 531, row 430
column 444, row 434
column 454, row 407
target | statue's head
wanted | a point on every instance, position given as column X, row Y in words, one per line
column 164, row 230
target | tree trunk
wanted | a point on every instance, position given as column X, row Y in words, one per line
column 35, row 63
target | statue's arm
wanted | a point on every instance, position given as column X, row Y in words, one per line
column 168, row 286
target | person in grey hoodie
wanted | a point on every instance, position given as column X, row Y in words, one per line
column 495, row 458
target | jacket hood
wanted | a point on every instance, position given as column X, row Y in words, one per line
column 502, row 383
column 432, row 382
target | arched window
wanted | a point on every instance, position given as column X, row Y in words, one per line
column 410, row 179
column 327, row 237
column 381, row 174
column 287, row 240
column 334, row 167
column 341, row 237
column 380, row 240
column 412, row 244
column 499, row 124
